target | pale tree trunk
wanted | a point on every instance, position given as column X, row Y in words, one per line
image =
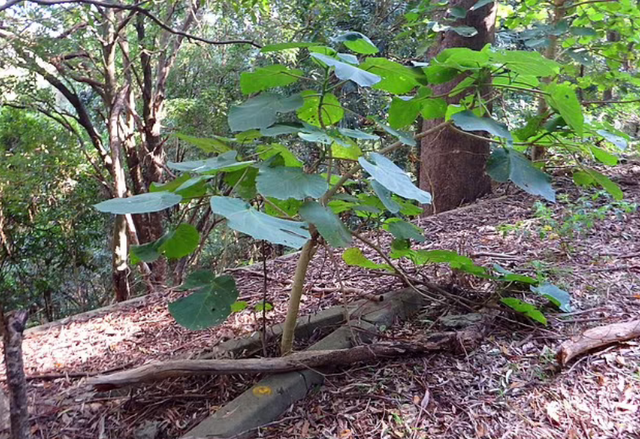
column 452, row 165
column 115, row 101
column 557, row 15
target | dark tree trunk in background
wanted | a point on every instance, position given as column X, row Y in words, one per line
column 452, row 165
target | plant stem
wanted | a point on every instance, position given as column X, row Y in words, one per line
column 288, row 331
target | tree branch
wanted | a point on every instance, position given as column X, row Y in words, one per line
column 136, row 8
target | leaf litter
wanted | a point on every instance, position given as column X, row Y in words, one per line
column 508, row 387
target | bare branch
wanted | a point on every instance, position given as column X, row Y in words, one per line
column 136, row 8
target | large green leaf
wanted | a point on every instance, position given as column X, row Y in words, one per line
column 209, row 305
column 558, row 297
column 358, row 43
column 468, row 121
column 243, row 182
column 403, row 112
column 262, row 111
column 143, row 203
column 526, row 63
column 206, row 145
column 320, row 111
column 265, row 152
column 433, row 108
column 563, row 98
column 169, row 186
column 328, row 224
column 181, row 242
column 340, row 151
column 603, row 156
column 590, row 177
column 244, row 218
column 174, row 244
column 401, row 229
column 509, row 164
column 385, row 172
column 286, row 182
column 268, row 77
column 462, row 58
column 396, row 78
column 385, row 197
column 348, row 72
column 226, row 161
column 354, row 257
column 525, row 308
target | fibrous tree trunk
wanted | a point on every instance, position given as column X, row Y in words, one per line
column 452, row 165
column 13, row 325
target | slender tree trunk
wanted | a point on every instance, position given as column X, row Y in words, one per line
column 115, row 100
column 557, row 15
column 452, row 165
column 13, row 325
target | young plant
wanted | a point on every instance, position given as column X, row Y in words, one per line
column 330, row 172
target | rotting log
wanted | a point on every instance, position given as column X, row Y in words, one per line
column 446, row 341
column 596, row 338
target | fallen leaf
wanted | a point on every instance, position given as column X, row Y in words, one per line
column 553, row 411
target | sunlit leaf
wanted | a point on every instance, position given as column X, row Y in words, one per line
column 244, row 218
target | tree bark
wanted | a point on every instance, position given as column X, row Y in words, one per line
column 597, row 337
column 452, row 165
column 558, row 13
column 13, row 325
column 446, row 341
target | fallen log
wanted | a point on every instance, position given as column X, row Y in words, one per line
column 597, row 337
column 451, row 341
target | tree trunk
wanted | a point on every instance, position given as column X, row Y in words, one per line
column 558, row 13
column 13, row 325
column 452, row 165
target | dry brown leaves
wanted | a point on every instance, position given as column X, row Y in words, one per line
column 507, row 388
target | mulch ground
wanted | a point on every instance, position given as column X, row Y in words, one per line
column 508, row 387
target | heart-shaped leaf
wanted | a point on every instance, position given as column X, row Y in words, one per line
column 244, row 218
column 209, row 305
column 143, row 203
column 262, row 111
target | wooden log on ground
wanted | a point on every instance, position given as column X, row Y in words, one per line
column 597, row 337
column 296, row 361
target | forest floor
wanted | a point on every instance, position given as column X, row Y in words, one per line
column 508, row 387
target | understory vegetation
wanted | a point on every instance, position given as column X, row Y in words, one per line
column 153, row 147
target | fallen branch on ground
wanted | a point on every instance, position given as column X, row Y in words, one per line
column 296, row 361
column 597, row 337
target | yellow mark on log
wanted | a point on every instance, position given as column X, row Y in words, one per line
column 262, row 391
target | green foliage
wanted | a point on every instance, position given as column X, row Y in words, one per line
column 262, row 111
column 394, row 179
column 354, row 257
column 244, row 218
column 525, row 308
column 268, row 77
column 210, row 303
column 282, row 182
column 175, row 244
column 143, row 203
column 508, row 164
